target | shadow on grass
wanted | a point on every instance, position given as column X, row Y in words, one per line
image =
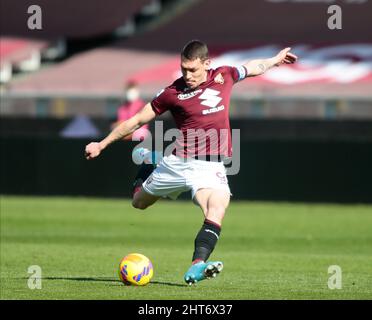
column 89, row 279
column 103, row 279
column 168, row 284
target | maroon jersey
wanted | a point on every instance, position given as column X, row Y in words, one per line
column 201, row 114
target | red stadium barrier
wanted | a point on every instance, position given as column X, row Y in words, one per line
column 14, row 50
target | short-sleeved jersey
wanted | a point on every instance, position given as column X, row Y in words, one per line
column 201, row 114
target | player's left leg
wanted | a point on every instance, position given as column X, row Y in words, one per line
column 213, row 204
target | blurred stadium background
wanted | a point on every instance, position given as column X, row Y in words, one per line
column 306, row 136
column 306, row 130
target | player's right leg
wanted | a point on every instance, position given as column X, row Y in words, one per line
column 142, row 199
column 143, row 173
column 166, row 180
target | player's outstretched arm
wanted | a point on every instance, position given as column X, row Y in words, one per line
column 259, row 66
column 125, row 128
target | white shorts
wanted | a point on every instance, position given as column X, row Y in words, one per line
column 174, row 175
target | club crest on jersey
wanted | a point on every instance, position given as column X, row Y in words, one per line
column 219, row 79
column 185, row 96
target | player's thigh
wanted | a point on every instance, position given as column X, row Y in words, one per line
column 218, row 202
column 143, row 199
column 213, row 202
column 201, row 199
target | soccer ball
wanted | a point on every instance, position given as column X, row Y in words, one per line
column 135, row 269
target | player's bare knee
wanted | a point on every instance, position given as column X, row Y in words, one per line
column 216, row 211
column 138, row 204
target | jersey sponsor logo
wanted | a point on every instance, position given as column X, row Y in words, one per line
column 189, row 95
column 213, row 110
column 210, row 98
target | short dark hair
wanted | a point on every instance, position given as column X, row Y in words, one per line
column 195, row 49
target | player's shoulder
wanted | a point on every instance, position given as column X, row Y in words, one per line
column 223, row 73
column 223, row 69
column 178, row 86
column 168, row 93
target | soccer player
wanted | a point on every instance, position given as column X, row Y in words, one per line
column 199, row 100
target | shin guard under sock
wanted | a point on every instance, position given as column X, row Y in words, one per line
column 206, row 240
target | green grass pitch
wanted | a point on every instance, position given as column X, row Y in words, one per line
column 269, row 250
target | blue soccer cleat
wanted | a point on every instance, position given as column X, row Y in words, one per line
column 143, row 155
column 203, row 270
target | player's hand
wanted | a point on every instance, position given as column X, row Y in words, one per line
column 285, row 57
column 92, row 150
